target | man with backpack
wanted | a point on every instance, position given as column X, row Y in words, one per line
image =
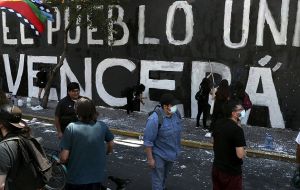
column 162, row 139
column 19, row 153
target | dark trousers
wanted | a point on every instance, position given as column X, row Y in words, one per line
column 130, row 104
column 91, row 186
column 224, row 181
column 203, row 108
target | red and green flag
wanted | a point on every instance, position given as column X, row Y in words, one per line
column 30, row 12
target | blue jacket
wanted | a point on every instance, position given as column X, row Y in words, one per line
column 165, row 141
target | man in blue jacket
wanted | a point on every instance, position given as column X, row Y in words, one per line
column 162, row 140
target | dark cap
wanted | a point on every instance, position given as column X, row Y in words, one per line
column 72, row 86
column 167, row 99
column 12, row 115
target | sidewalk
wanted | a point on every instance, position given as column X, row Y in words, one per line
column 133, row 125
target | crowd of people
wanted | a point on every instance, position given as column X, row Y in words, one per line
column 85, row 141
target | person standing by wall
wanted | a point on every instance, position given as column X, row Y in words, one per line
column 134, row 96
column 241, row 95
column 202, row 99
column 222, row 96
column 42, row 78
column 83, row 148
column 162, row 140
column 65, row 112
column 228, row 145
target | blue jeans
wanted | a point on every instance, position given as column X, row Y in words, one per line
column 160, row 172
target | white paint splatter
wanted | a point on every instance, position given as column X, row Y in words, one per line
column 276, row 67
column 265, row 60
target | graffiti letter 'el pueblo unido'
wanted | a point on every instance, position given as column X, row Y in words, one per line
column 168, row 45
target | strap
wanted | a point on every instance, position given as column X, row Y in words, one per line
column 11, row 139
column 160, row 117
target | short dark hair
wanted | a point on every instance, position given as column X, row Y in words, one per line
column 142, row 87
column 167, row 99
column 72, row 86
column 86, row 110
column 229, row 107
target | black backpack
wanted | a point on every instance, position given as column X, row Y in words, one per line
column 200, row 97
column 35, row 164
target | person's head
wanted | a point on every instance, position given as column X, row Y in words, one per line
column 11, row 121
column 239, row 90
column 141, row 87
column 205, row 83
column 168, row 103
column 234, row 110
column 223, row 92
column 73, row 90
column 224, row 84
column 86, row 110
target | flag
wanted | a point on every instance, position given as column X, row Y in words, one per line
column 28, row 13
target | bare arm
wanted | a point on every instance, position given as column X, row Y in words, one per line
column 64, row 156
column 58, row 128
column 151, row 161
column 240, row 152
column 141, row 99
column 2, row 181
column 109, row 147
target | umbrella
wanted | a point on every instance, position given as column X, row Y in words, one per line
column 31, row 13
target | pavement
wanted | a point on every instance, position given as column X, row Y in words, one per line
column 133, row 125
column 191, row 171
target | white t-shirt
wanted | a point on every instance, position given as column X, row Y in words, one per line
column 298, row 138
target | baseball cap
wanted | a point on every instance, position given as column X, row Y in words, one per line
column 167, row 99
column 12, row 115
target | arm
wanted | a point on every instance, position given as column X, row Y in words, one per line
column 151, row 161
column 66, row 145
column 109, row 147
column 240, row 152
column 240, row 143
column 2, row 181
column 150, row 135
column 58, row 128
column 64, row 156
column 141, row 98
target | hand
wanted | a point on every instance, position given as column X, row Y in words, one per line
column 151, row 163
column 59, row 135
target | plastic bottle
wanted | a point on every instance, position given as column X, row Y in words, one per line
column 269, row 142
column 28, row 102
column 20, row 103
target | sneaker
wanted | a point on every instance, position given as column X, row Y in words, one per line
column 37, row 108
column 208, row 135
